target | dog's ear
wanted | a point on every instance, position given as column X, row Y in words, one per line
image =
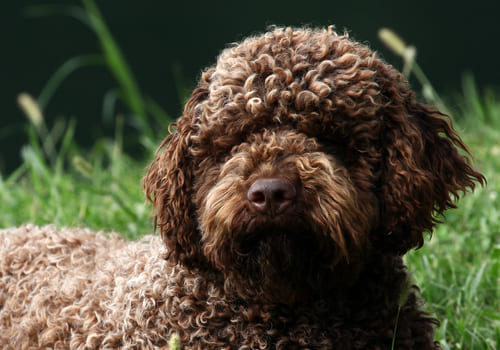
column 168, row 186
column 425, row 168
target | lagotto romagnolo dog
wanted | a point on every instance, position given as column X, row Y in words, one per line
column 300, row 172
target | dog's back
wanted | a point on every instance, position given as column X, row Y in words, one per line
column 55, row 284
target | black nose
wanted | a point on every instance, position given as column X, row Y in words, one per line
column 271, row 195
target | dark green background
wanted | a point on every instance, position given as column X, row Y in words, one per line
column 160, row 37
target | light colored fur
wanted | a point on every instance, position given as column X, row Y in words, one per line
column 73, row 287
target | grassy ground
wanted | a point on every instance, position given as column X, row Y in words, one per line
column 59, row 183
column 458, row 270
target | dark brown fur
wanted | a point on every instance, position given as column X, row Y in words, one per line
column 369, row 170
column 374, row 167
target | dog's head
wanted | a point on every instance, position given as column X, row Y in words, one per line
column 298, row 153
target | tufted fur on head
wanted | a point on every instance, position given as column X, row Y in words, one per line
column 300, row 171
column 305, row 91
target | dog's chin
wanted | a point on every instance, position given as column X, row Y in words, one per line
column 285, row 263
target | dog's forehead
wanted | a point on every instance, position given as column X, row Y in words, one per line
column 315, row 82
column 287, row 76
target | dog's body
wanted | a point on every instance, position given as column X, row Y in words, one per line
column 300, row 172
column 74, row 288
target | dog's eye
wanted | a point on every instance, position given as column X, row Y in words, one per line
column 331, row 149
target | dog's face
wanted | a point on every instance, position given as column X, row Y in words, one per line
column 298, row 154
column 281, row 210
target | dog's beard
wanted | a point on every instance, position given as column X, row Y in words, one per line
column 291, row 258
column 284, row 265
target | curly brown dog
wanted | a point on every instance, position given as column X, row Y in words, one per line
column 300, row 172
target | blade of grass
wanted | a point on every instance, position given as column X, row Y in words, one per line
column 472, row 290
column 117, row 152
column 64, row 71
column 33, row 157
column 66, row 143
column 109, row 105
column 407, row 53
column 115, row 60
column 112, row 57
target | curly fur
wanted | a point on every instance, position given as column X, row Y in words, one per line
column 370, row 168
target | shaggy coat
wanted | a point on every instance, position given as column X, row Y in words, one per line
column 300, row 172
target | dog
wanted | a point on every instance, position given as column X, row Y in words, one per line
column 301, row 171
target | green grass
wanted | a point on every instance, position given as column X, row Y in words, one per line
column 99, row 189
column 458, row 270
column 60, row 183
